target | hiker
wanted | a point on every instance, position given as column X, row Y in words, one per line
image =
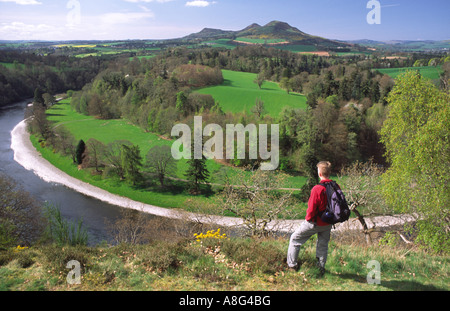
column 313, row 223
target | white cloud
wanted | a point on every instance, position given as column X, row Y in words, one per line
column 200, row 3
column 22, row 31
column 124, row 18
column 144, row 8
column 23, row 2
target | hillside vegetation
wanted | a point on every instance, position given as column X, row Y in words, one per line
column 430, row 72
column 219, row 264
column 81, row 127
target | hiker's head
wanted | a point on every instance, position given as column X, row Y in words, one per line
column 324, row 169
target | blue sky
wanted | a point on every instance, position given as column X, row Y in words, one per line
column 163, row 19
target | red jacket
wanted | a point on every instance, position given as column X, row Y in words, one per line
column 317, row 202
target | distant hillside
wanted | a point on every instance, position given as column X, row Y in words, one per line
column 275, row 29
column 406, row 45
column 274, row 33
column 210, row 33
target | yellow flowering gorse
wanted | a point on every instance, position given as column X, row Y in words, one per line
column 20, row 248
column 210, row 234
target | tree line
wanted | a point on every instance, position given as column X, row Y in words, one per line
column 51, row 74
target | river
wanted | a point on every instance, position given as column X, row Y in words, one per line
column 73, row 205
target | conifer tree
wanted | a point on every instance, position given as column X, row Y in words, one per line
column 197, row 173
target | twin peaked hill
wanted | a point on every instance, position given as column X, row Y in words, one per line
column 273, row 30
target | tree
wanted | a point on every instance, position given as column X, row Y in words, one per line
column 49, row 100
column 182, row 103
column 417, row 141
column 259, row 79
column 375, row 91
column 285, row 84
column 38, row 97
column 95, row 150
column 81, row 147
column 159, row 160
column 21, row 221
column 361, row 184
column 196, row 173
column 65, row 142
column 258, row 109
column 445, row 75
column 131, row 163
column 254, row 198
column 132, row 227
column 112, row 155
column 39, row 123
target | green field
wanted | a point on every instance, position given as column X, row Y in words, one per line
column 297, row 48
column 238, row 92
column 429, row 72
column 259, row 40
column 106, row 131
column 219, row 43
column 12, row 65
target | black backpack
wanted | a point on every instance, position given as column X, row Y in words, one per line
column 337, row 207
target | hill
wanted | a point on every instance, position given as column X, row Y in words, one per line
column 275, row 29
column 208, row 33
column 274, row 33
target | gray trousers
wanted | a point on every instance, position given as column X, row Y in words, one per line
column 301, row 235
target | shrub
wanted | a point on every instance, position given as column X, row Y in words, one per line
column 20, row 215
column 6, row 257
column 257, row 255
column 26, row 259
column 210, row 234
column 57, row 257
column 62, row 231
column 160, row 256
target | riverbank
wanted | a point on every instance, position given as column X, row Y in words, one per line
column 27, row 156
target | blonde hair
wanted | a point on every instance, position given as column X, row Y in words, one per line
column 324, row 168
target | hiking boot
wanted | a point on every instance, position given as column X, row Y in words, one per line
column 321, row 271
column 321, row 266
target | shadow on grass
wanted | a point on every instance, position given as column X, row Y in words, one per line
column 409, row 286
column 396, row 285
column 227, row 82
column 172, row 187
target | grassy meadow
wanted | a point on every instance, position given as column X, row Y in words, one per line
column 220, row 43
column 298, row 48
column 429, row 72
column 86, row 127
column 238, row 92
column 259, row 40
